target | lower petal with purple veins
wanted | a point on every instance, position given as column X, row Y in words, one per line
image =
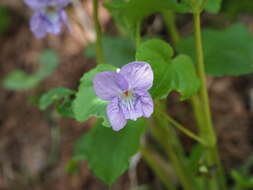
column 146, row 104
column 131, row 107
column 115, row 115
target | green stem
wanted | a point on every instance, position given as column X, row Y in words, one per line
column 169, row 18
column 99, row 51
column 159, row 166
column 183, row 129
column 206, row 131
column 206, row 128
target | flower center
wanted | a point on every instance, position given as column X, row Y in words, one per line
column 51, row 9
column 52, row 13
column 126, row 93
column 128, row 100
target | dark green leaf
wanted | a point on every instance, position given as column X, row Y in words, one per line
column 5, row 19
column 178, row 74
column 118, row 51
column 65, row 109
column 233, row 8
column 86, row 103
column 213, row 6
column 132, row 12
column 107, row 151
column 226, row 52
column 19, row 80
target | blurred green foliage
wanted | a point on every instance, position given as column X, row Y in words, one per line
column 19, row 80
column 233, row 8
column 243, row 176
column 226, row 52
column 5, row 19
column 118, row 51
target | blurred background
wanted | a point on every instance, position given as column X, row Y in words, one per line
column 36, row 146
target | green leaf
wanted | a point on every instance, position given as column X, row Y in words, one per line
column 213, row 6
column 178, row 74
column 107, row 151
column 86, row 103
column 118, row 51
column 19, row 80
column 226, row 52
column 54, row 95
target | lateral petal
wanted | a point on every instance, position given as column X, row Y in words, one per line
column 109, row 85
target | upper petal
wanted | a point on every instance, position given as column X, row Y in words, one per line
column 146, row 104
column 115, row 115
column 139, row 75
column 108, row 85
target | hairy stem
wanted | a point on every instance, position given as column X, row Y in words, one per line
column 99, row 51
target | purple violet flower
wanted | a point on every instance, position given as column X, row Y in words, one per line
column 127, row 92
column 48, row 16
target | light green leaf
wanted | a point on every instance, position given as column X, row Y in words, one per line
column 54, row 95
column 226, row 52
column 19, row 80
column 118, row 51
column 178, row 74
column 86, row 103
column 107, row 151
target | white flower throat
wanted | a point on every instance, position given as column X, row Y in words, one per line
column 128, row 100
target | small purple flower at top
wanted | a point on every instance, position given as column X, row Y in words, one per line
column 48, row 16
column 127, row 93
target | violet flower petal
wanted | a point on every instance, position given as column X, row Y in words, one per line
column 38, row 25
column 138, row 74
column 147, row 104
column 54, row 23
column 115, row 115
column 108, row 85
column 131, row 108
